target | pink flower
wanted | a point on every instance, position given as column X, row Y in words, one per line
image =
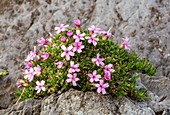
column 63, row 39
column 51, row 35
column 37, row 70
column 59, row 64
column 67, row 52
column 32, row 55
column 126, row 43
column 92, row 39
column 101, row 87
column 70, row 33
column 98, row 60
column 78, row 47
column 28, row 65
column 94, row 77
column 72, row 78
column 61, row 28
column 107, row 76
column 29, row 74
column 73, row 67
column 43, row 42
column 45, row 55
column 77, row 22
column 93, row 29
column 108, row 68
column 78, row 36
column 40, row 86
column 19, row 84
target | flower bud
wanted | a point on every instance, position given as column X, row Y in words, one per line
column 77, row 22
column 70, row 33
column 63, row 39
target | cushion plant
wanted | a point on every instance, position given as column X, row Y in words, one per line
column 87, row 60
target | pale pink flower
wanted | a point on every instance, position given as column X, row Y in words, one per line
column 107, row 76
column 29, row 74
column 94, row 29
column 93, row 76
column 73, row 67
column 28, row 65
column 78, row 47
column 40, row 86
column 45, row 55
column 63, row 39
column 67, row 52
column 126, row 43
column 78, row 36
column 59, row 64
column 92, row 39
column 77, row 22
column 43, row 42
column 107, row 34
column 72, row 78
column 108, row 68
column 101, row 87
column 61, row 28
column 70, row 33
column 98, row 60
column 51, row 35
column 37, row 70
column 19, row 84
column 32, row 55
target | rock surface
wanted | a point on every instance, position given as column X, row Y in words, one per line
column 78, row 103
column 145, row 22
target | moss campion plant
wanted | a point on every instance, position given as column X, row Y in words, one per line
column 86, row 60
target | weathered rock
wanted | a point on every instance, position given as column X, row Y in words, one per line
column 79, row 103
column 145, row 22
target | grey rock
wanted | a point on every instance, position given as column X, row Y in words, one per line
column 145, row 22
column 79, row 103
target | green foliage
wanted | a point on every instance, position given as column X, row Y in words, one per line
column 123, row 80
column 5, row 73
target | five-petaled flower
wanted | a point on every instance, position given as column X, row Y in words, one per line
column 78, row 36
column 29, row 74
column 72, row 78
column 107, row 76
column 59, row 64
column 126, row 43
column 67, row 52
column 98, row 60
column 43, row 41
column 73, row 67
column 45, row 55
column 101, row 87
column 108, row 68
column 40, row 86
column 94, row 29
column 28, row 65
column 19, row 83
column 37, row 70
column 61, row 28
column 32, row 55
column 93, row 39
column 93, row 76
column 78, row 47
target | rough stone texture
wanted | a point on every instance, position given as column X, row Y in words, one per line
column 78, row 103
column 145, row 22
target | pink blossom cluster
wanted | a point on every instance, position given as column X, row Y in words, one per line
column 107, row 76
column 68, row 52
